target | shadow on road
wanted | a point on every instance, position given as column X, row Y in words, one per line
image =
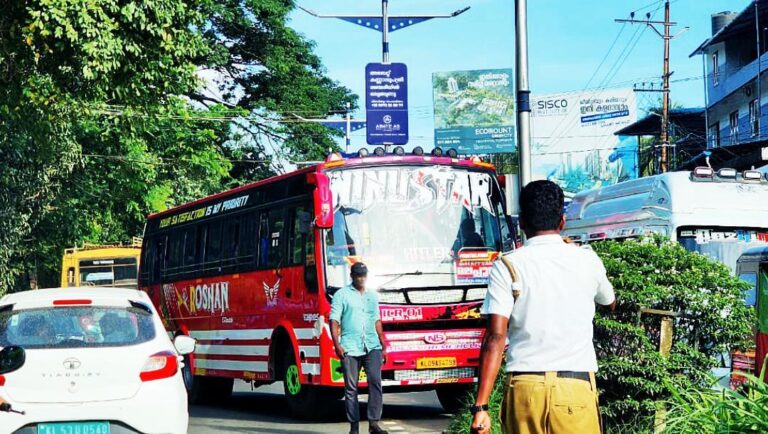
column 271, row 408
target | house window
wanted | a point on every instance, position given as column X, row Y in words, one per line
column 733, row 123
column 754, row 117
column 714, row 135
column 715, row 68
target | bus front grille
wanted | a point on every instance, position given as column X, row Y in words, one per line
column 435, row 374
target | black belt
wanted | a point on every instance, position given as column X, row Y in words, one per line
column 561, row 374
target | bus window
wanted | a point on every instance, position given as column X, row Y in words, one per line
column 231, row 243
column 158, row 263
column 295, row 245
column 71, row 276
column 274, row 245
column 175, row 251
column 248, row 235
column 213, row 243
column 750, row 295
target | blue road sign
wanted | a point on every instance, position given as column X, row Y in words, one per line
column 386, row 103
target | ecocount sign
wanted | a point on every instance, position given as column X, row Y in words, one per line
column 386, row 103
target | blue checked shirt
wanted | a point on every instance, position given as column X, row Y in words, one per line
column 357, row 314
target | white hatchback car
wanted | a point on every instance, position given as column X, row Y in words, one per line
column 97, row 361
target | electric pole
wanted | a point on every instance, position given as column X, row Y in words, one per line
column 523, row 91
column 665, row 35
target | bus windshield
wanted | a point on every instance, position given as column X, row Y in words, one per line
column 415, row 226
column 723, row 244
column 118, row 272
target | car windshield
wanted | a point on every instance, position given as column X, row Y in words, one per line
column 76, row 327
column 415, row 226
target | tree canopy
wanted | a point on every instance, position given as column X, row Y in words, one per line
column 111, row 110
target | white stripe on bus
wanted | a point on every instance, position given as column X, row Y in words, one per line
column 310, row 368
column 240, row 350
column 246, row 334
column 310, row 351
column 229, row 365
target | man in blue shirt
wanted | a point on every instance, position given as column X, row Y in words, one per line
column 359, row 341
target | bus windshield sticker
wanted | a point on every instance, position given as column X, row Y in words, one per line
column 410, row 189
column 474, row 266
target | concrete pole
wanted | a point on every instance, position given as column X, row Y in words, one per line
column 523, row 92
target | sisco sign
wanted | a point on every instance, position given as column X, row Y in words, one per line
column 386, row 103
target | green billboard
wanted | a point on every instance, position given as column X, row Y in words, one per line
column 475, row 110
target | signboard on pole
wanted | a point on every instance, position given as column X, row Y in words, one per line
column 386, row 103
column 475, row 110
column 573, row 141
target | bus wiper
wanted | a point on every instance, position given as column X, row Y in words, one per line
column 408, row 273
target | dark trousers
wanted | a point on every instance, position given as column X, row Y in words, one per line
column 371, row 362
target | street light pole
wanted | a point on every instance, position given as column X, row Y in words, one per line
column 523, row 92
column 385, row 32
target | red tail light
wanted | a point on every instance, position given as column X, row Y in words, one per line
column 2, row 380
column 159, row 366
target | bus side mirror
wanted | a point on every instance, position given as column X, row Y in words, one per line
column 323, row 200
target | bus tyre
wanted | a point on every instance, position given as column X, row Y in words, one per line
column 453, row 397
column 205, row 390
column 303, row 400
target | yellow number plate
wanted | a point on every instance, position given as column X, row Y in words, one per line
column 435, row 362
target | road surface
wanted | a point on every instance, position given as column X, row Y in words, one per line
column 264, row 410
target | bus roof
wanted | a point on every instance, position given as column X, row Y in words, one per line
column 332, row 164
column 674, row 195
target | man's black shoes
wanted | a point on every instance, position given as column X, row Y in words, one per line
column 374, row 428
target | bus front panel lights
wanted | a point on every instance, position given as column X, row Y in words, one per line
column 398, row 150
column 752, row 175
column 379, row 151
column 437, row 152
column 418, row 151
column 727, row 173
column 452, row 153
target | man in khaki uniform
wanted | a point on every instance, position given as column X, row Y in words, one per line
column 542, row 298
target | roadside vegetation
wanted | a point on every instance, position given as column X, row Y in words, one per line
column 710, row 320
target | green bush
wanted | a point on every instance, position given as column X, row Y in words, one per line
column 660, row 274
column 705, row 411
column 656, row 273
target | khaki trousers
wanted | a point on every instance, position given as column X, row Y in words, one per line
column 547, row 404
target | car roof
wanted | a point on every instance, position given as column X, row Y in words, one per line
column 99, row 296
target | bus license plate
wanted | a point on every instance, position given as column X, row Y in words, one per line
column 73, row 427
column 435, row 362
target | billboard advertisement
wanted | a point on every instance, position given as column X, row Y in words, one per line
column 386, row 103
column 475, row 110
column 573, row 141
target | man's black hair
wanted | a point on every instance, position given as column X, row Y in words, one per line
column 541, row 206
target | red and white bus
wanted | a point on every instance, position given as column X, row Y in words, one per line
column 250, row 273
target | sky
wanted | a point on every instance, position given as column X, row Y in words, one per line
column 573, row 45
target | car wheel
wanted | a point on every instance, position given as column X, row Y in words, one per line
column 453, row 397
column 203, row 389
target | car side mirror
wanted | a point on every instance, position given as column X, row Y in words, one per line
column 184, row 344
column 11, row 359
